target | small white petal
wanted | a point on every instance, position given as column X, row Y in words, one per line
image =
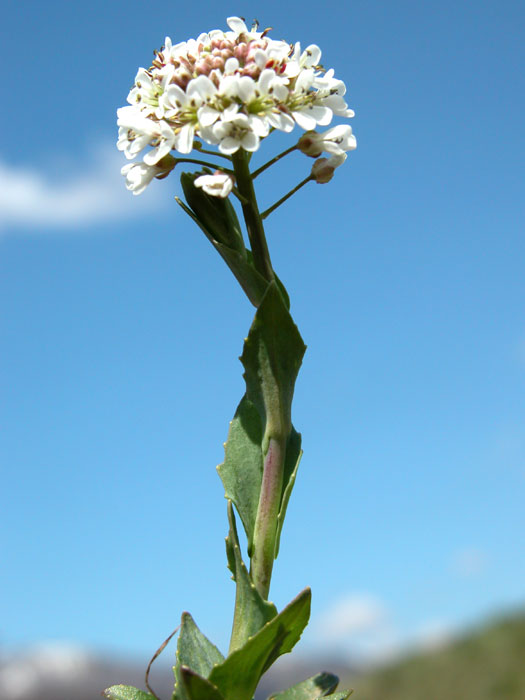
column 175, row 96
column 184, row 142
column 260, row 58
column 304, row 80
column 229, row 145
column 201, row 87
column 231, row 65
column 259, row 126
column 230, row 113
column 322, row 115
column 207, row 115
column 246, row 88
column 311, row 56
column 250, row 141
column 305, row 120
column 237, row 25
column 281, row 121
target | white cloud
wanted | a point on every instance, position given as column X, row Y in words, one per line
column 78, row 195
column 351, row 615
column 361, row 628
column 357, row 625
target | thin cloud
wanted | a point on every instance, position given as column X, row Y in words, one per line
column 362, row 628
column 359, row 626
column 82, row 194
column 470, row 563
column 351, row 615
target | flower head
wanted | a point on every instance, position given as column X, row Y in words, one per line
column 229, row 89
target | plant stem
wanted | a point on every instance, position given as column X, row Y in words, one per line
column 252, row 217
column 205, row 163
column 268, row 211
column 213, row 153
column 260, row 170
column 265, row 531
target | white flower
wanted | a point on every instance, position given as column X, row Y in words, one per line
column 139, row 175
column 138, row 131
column 217, row 185
column 323, row 168
column 235, row 133
column 336, row 140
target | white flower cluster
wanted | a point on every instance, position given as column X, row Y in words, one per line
column 230, row 89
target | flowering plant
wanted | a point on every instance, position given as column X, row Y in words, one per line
column 231, row 90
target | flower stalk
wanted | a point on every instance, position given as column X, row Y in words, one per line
column 295, row 189
column 252, row 218
column 274, row 160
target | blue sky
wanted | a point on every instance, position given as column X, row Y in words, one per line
column 121, row 331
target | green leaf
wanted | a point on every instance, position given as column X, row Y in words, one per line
column 252, row 612
column 126, row 692
column 240, row 673
column 216, row 215
column 272, row 356
column 310, row 689
column 194, row 651
column 196, row 687
column 239, row 262
column 241, row 471
column 341, row 695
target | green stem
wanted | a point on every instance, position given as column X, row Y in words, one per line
column 252, row 217
column 268, row 211
column 265, row 531
column 205, row 163
column 273, row 160
column 214, row 153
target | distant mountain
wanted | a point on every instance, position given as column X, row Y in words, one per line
column 487, row 664
column 60, row 672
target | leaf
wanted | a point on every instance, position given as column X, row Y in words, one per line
column 310, row 689
column 239, row 262
column 252, row 612
column 341, row 695
column 272, row 355
column 195, row 651
column 126, row 692
column 238, row 676
column 196, row 687
column 215, row 215
column 241, row 471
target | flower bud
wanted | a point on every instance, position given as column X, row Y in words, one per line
column 311, row 144
column 323, row 168
column 336, row 140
